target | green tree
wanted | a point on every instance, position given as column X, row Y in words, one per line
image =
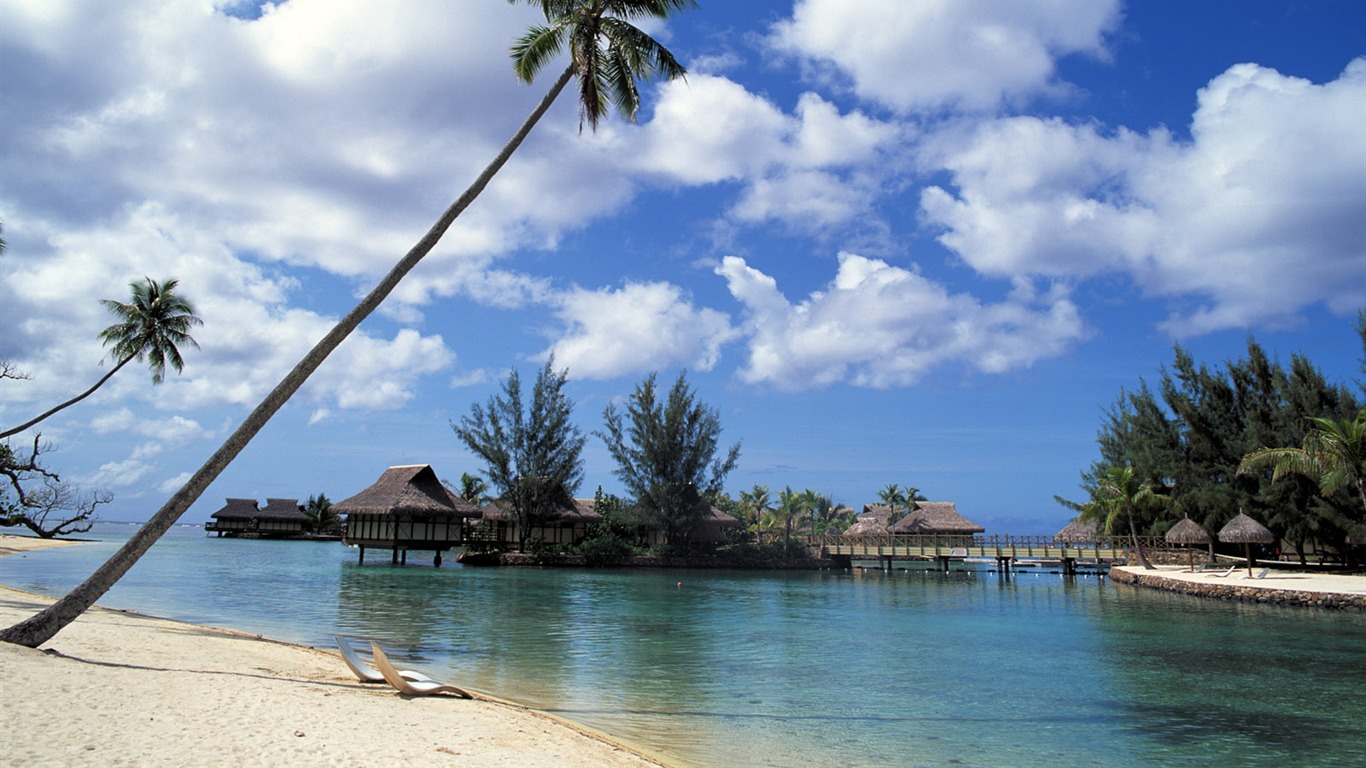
column 321, row 518
column 894, row 499
column 607, row 53
column 754, row 504
column 152, row 326
column 532, row 452
column 1333, row 454
column 473, row 489
column 667, row 455
column 791, row 505
column 1118, row 496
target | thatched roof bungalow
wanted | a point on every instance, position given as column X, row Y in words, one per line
column 566, row 524
column 935, row 517
column 406, row 508
column 1078, row 531
column 872, row 522
column 234, row 518
column 281, row 518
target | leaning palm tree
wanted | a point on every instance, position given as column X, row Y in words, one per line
column 152, row 327
column 1333, row 454
column 607, row 54
column 1117, row 494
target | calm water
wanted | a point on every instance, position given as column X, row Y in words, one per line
column 742, row 669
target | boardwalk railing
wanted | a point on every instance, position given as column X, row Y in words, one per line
column 951, row 546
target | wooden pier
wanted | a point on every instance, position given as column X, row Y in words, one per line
column 1007, row 551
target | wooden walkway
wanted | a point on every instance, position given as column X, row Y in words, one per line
column 1006, row 550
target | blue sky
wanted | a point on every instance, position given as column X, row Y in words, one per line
column 922, row 243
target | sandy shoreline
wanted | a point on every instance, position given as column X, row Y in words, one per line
column 118, row 688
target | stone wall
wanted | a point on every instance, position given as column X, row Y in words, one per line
column 1243, row 593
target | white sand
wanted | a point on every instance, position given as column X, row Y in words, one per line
column 1332, row 583
column 121, row 689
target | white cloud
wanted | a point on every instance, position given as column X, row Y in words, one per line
column 881, row 326
column 638, row 328
column 936, row 54
column 1262, row 214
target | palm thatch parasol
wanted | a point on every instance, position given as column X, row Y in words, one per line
column 1246, row 531
column 1188, row 532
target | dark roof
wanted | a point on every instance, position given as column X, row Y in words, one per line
column 935, row 517
column 1078, row 530
column 412, row 490
column 237, row 509
column 1187, row 532
column 1244, row 530
column 581, row 512
column 282, row 509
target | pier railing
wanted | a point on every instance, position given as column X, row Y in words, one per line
column 957, row 546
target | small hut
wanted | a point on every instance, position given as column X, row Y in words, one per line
column 565, row 524
column 872, row 522
column 713, row 528
column 1186, row 533
column 1246, row 531
column 234, row 519
column 935, row 518
column 1078, row 532
column 407, row 508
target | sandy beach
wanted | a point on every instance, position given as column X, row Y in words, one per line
column 122, row 689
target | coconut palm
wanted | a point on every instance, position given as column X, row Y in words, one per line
column 894, row 498
column 152, row 327
column 754, row 504
column 607, row 54
column 791, row 504
column 1333, row 454
column 1117, row 494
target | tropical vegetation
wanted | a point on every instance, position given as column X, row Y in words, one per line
column 608, row 53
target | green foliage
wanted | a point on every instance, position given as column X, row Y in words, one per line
column 321, row 518
column 1188, row 440
column 532, row 452
column 667, row 455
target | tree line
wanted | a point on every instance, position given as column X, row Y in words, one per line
column 1209, row 442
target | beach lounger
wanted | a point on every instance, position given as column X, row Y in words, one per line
column 1231, row 569
column 363, row 671
column 411, row 687
column 1262, row 574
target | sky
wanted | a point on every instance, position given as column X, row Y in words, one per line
column 890, row 241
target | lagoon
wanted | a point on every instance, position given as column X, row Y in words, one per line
column 911, row 668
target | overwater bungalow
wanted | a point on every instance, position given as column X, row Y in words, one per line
column 871, row 522
column 406, row 508
column 565, row 524
column 935, row 518
column 1078, row 532
column 279, row 519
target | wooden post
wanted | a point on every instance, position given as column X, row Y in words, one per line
column 362, row 555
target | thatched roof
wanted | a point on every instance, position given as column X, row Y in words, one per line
column 1079, row 530
column 237, row 509
column 1187, row 532
column 1244, row 530
column 935, row 517
column 412, row 490
column 581, row 511
column 282, row 509
column 867, row 525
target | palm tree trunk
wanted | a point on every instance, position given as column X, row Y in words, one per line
column 1133, row 532
column 41, row 627
column 70, row 402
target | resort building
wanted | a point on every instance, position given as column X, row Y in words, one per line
column 929, row 518
column 280, row 519
column 565, row 524
column 406, row 508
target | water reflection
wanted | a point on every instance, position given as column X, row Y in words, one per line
column 771, row 669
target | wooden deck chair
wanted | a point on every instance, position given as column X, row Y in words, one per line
column 363, row 671
column 411, row 687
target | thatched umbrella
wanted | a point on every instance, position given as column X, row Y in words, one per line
column 1188, row 532
column 1246, row 531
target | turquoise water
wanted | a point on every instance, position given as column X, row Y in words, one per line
column 796, row 669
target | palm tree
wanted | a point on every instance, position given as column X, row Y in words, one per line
column 1333, row 454
column 473, row 488
column 1117, row 494
column 321, row 518
column 893, row 498
column 152, row 327
column 607, row 53
column 790, row 506
column 754, row 505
